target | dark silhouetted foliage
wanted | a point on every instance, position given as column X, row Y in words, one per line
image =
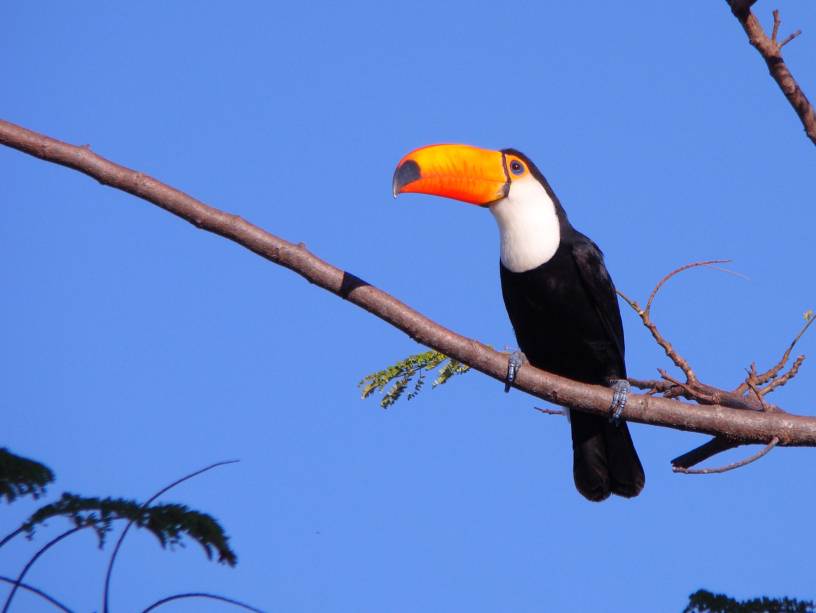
column 703, row 601
column 22, row 477
column 167, row 522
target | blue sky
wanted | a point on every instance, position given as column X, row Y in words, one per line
column 137, row 348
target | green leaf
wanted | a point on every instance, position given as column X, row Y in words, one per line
column 414, row 369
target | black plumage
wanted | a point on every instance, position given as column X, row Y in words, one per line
column 567, row 321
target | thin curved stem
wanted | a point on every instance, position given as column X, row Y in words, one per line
column 38, row 592
column 164, row 601
column 147, row 503
column 677, row 271
column 11, row 535
column 34, row 558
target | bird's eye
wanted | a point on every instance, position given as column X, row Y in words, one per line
column 516, row 167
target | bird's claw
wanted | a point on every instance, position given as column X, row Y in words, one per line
column 621, row 388
column 513, row 365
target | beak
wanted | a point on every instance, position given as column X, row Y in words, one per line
column 461, row 172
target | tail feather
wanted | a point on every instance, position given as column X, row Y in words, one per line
column 604, row 458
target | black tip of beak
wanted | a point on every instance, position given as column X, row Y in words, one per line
column 406, row 173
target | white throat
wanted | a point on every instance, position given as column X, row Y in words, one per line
column 528, row 225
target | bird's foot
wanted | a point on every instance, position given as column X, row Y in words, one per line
column 513, row 364
column 621, row 388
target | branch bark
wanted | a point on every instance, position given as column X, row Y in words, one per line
column 731, row 424
column 771, row 51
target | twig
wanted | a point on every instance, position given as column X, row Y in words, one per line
column 777, row 23
column 771, row 52
column 635, row 306
column 758, row 395
column 780, row 381
column 164, row 601
column 691, row 391
column 709, row 471
column 656, row 386
column 550, row 411
column 703, row 452
column 645, row 316
column 676, row 272
column 789, row 38
column 774, row 370
column 748, row 426
column 760, row 379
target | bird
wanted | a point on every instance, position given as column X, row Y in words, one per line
column 559, row 296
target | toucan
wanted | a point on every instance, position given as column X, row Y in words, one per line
column 558, row 294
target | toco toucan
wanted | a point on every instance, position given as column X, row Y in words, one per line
column 557, row 291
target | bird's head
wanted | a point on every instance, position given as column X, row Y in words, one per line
column 461, row 172
column 506, row 182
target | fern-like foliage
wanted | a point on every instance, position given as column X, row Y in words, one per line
column 167, row 522
column 703, row 601
column 414, row 369
column 22, row 477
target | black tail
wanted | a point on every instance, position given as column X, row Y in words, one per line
column 604, row 458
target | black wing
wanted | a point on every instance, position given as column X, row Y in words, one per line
column 601, row 292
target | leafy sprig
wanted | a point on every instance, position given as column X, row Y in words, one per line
column 414, row 369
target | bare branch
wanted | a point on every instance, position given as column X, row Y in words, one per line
column 789, row 38
column 635, row 306
column 761, row 379
column 710, row 471
column 657, row 386
column 777, row 23
column 689, row 390
column 703, row 452
column 777, row 383
column 744, row 426
column 771, row 52
column 645, row 316
column 677, row 271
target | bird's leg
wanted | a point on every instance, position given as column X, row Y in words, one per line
column 621, row 387
column 513, row 364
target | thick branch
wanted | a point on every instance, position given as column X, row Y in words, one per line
column 771, row 52
column 703, row 452
column 744, row 426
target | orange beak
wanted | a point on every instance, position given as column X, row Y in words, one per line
column 461, row 172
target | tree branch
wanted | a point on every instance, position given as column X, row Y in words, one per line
column 771, row 52
column 703, row 452
column 722, row 469
column 715, row 419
